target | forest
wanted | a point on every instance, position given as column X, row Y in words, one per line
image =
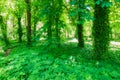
column 59, row 39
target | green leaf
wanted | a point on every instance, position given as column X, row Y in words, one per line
column 106, row 4
column 98, row 2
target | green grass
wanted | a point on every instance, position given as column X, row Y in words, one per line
column 62, row 63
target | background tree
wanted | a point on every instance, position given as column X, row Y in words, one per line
column 4, row 31
column 18, row 12
column 28, row 21
column 81, row 6
column 80, row 14
column 52, row 19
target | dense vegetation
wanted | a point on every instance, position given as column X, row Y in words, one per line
column 59, row 40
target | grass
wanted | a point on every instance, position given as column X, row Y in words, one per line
column 62, row 63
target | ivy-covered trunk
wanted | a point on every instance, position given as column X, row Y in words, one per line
column 28, row 22
column 101, row 30
column 4, row 31
column 80, row 23
column 20, row 29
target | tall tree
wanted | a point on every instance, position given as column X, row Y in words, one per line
column 18, row 11
column 4, row 30
column 58, row 12
column 47, row 9
column 77, row 16
column 101, row 28
column 80, row 23
column 35, row 11
column 49, row 29
column 19, row 29
column 52, row 17
column 28, row 22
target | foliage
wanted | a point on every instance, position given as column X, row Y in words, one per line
column 35, row 63
column 114, row 20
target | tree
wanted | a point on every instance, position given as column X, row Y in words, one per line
column 101, row 28
column 28, row 22
column 77, row 16
column 18, row 12
column 80, row 23
column 4, row 31
column 49, row 29
column 20, row 29
column 36, row 17
column 47, row 18
column 58, row 10
column 52, row 11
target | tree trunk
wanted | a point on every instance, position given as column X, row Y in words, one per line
column 35, row 22
column 49, row 32
column 28, row 22
column 4, row 31
column 101, row 30
column 57, row 29
column 49, row 29
column 34, row 31
column 80, row 35
column 80, row 24
column 20, row 30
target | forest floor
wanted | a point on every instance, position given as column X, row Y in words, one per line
column 66, row 62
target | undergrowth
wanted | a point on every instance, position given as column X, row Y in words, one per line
column 65, row 62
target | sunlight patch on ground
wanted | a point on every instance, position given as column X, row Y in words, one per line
column 73, row 40
column 113, row 44
column 117, row 44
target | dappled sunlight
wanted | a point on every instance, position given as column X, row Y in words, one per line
column 115, row 44
column 73, row 40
